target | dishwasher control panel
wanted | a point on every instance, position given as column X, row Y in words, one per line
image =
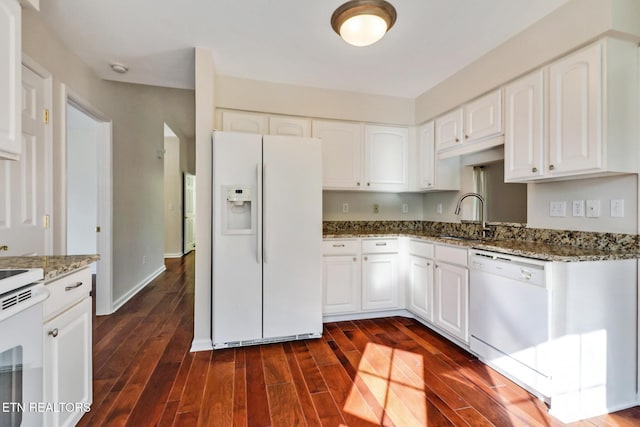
column 515, row 268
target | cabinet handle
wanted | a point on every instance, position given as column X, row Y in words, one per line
column 54, row 332
column 534, row 169
column 72, row 287
column 336, row 245
column 551, row 167
column 381, row 244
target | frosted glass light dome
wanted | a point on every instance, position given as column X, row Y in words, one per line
column 363, row 22
column 363, row 30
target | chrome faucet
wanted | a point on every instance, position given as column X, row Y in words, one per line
column 482, row 212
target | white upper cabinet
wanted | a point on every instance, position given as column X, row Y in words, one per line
column 386, row 158
column 592, row 115
column 10, row 79
column 449, row 131
column 341, row 153
column 575, row 112
column 435, row 174
column 289, row 126
column 476, row 126
column 239, row 121
column 483, row 117
column 524, row 130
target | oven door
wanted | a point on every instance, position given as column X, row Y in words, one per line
column 21, row 366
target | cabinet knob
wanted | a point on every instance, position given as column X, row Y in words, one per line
column 429, row 184
column 54, row 332
column 534, row 169
column 368, row 184
column 457, row 139
column 355, row 259
column 4, row 248
column 428, row 264
column 466, row 137
column 551, row 167
column 358, row 184
column 366, row 258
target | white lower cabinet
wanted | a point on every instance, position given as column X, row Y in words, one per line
column 379, row 281
column 451, row 299
column 67, row 368
column 341, row 283
column 420, row 287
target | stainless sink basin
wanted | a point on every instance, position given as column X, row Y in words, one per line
column 467, row 239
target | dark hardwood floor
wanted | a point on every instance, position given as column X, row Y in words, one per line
column 390, row 371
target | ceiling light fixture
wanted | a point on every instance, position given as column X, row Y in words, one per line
column 119, row 68
column 363, row 22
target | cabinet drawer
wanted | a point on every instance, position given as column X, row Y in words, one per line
column 66, row 291
column 420, row 248
column 340, row 247
column 379, row 246
column 452, row 255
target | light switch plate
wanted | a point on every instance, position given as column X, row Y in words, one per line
column 439, row 208
column 578, row 208
column 593, row 209
column 405, row 208
column 345, row 208
column 558, row 208
column 617, row 208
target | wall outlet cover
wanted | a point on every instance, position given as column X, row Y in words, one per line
column 345, row 208
column 578, row 207
column 593, row 208
column 617, row 208
column 558, row 208
column 376, row 208
column 405, row 208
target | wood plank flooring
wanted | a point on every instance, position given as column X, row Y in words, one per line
column 390, row 371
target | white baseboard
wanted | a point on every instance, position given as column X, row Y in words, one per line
column 126, row 297
column 201, row 345
column 365, row 315
column 174, row 255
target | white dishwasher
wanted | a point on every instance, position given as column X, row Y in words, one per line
column 509, row 317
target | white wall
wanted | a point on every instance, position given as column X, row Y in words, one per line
column 172, row 198
column 138, row 113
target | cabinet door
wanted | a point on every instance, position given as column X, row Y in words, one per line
column 524, row 133
column 483, row 117
column 341, row 153
column 575, row 112
column 341, row 284
column 289, row 126
column 421, row 287
column 379, row 281
column 10, row 79
column 386, row 158
column 236, row 121
column 67, row 362
column 426, row 155
column 451, row 296
column 449, row 130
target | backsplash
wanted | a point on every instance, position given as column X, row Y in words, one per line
column 499, row 231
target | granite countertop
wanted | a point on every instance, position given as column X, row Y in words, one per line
column 53, row 265
column 529, row 249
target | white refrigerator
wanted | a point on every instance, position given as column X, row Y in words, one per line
column 267, row 239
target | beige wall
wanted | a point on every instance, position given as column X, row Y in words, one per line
column 138, row 114
column 279, row 98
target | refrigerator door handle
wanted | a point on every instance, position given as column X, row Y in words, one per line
column 257, row 215
column 264, row 213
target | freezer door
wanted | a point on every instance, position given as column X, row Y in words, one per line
column 292, row 233
column 237, row 264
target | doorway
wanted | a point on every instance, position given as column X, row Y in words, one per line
column 88, row 191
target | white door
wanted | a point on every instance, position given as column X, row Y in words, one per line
column 341, row 284
column 25, row 186
column 451, row 296
column 189, row 212
column 524, row 133
column 426, row 153
column 421, row 287
column 292, row 236
column 575, row 112
column 386, row 158
column 379, row 281
column 341, row 153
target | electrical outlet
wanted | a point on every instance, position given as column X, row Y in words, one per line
column 557, row 208
column 593, row 209
column 578, row 208
column 376, row 208
column 345, row 208
column 405, row 208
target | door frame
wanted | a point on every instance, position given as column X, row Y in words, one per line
column 47, row 78
column 104, row 276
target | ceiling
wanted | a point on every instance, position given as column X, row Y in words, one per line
column 286, row 41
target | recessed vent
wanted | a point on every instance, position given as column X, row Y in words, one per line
column 11, row 301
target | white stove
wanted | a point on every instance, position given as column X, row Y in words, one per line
column 14, row 278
